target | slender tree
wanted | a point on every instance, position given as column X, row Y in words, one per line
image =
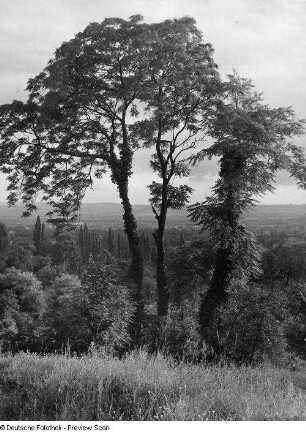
column 38, row 234
column 251, row 142
column 183, row 83
column 81, row 242
column 4, row 246
column 111, row 242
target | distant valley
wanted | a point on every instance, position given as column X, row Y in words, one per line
column 104, row 215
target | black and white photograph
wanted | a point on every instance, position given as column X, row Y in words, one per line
column 152, row 213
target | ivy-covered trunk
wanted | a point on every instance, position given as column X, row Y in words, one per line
column 225, row 262
column 217, row 292
column 136, row 266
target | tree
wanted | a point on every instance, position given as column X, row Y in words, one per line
column 119, row 246
column 111, row 242
column 107, row 305
column 4, row 246
column 252, row 325
column 75, row 123
column 66, row 253
column 81, row 243
column 285, row 262
column 21, row 308
column 145, row 247
column 183, row 83
column 39, row 233
column 251, row 142
column 284, row 267
column 189, row 268
column 85, row 242
column 65, row 321
column 19, row 257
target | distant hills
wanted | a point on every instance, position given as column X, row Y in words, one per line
column 102, row 215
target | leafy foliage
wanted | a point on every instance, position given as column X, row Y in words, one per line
column 74, row 120
column 251, row 141
column 108, row 307
column 66, row 253
column 189, row 269
column 252, row 325
column 177, row 196
column 65, row 322
column 22, row 307
column 4, row 246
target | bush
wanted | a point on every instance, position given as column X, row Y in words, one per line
column 107, row 305
column 22, row 304
column 177, row 334
column 251, row 326
column 65, row 320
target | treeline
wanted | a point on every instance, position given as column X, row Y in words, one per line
column 71, row 293
column 61, row 292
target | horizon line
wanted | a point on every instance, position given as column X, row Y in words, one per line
column 146, row 204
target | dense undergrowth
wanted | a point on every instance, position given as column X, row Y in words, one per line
column 143, row 387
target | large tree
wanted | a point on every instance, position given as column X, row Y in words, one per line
column 252, row 142
column 75, row 123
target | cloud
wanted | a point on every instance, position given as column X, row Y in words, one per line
column 263, row 39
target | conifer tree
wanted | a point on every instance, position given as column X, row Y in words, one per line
column 147, row 249
column 119, row 248
column 111, row 242
column 38, row 232
column 81, row 242
column 4, row 246
column 4, row 238
column 182, row 239
column 43, row 232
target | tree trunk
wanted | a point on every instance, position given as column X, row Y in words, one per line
column 224, row 265
column 136, row 266
column 161, row 276
column 130, row 228
column 163, row 294
column 217, row 292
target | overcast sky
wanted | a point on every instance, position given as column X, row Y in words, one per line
column 265, row 40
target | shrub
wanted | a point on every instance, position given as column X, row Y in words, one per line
column 21, row 309
column 251, row 326
column 65, row 321
column 107, row 305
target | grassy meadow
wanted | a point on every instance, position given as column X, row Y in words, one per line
column 143, row 387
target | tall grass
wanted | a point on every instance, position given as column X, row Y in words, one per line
column 143, row 387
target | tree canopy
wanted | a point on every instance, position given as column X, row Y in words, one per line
column 113, row 88
column 252, row 142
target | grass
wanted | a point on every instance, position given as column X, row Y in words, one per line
column 141, row 387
